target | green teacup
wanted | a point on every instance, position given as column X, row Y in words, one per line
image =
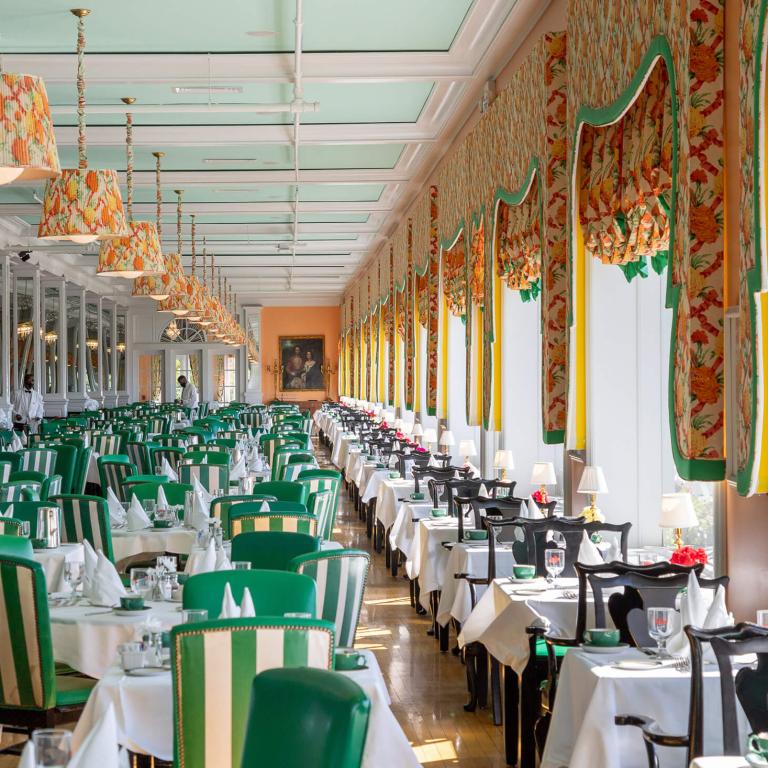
column 348, row 660
column 758, row 743
column 476, row 535
column 132, row 603
column 604, row 638
column 394, row 475
column 438, row 512
column 380, row 465
column 163, row 523
column 417, row 496
column 524, row 571
column 38, row 543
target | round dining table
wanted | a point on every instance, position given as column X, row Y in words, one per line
column 53, row 561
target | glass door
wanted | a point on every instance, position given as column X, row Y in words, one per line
column 151, row 370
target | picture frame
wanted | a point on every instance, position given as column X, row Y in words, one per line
column 301, row 363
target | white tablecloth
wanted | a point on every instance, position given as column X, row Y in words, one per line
column 591, row 692
column 719, row 762
column 354, row 458
column 178, row 541
column 144, row 711
column 387, row 499
column 404, row 526
column 341, row 448
column 429, row 558
column 371, row 478
column 53, row 561
column 455, row 598
column 86, row 636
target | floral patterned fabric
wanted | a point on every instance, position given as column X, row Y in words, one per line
column 139, row 252
column 433, row 299
column 455, row 277
column 518, row 227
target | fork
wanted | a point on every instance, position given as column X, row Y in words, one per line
column 682, row 664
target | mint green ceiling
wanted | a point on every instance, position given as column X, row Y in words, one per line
column 267, row 157
column 262, row 237
column 250, row 219
column 339, row 103
column 200, row 25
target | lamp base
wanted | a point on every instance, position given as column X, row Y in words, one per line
column 678, row 538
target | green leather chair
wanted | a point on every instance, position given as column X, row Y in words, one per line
column 284, row 491
column 14, row 543
column 172, row 455
column 38, row 460
column 320, row 504
column 280, row 458
column 174, row 492
column 341, row 576
column 202, row 434
column 244, row 518
column 85, row 518
column 226, row 651
column 224, row 442
column 274, row 593
column 220, row 505
column 272, row 551
column 20, row 490
column 270, row 442
column 329, row 710
column 66, row 461
column 26, row 510
column 211, row 476
column 5, row 471
column 81, row 469
column 323, row 480
column 138, row 453
column 13, row 458
column 35, row 697
column 106, row 444
column 291, row 472
column 112, row 471
column 10, row 527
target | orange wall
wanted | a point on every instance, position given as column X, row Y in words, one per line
column 298, row 321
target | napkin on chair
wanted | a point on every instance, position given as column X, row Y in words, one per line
column 201, row 512
column 247, row 609
column 222, row 561
column 104, row 586
column 589, row 554
column 238, row 472
column 162, row 502
column 168, row 471
column 137, row 517
column 229, row 608
column 115, row 508
column 202, row 560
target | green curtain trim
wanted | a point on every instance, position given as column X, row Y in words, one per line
column 532, row 293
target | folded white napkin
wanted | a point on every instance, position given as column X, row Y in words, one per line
column 433, row 462
column 530, row 508
column 104, row 586
column 162, row 502
column 90, row 559
column 28, row 759
column 100, row 747
column 200, row 515
column 115, row 508
column 16, row 444
column 474, row 470
column 22, row 439
column 589, row 554
column 238, row 472
column 200, row 490
column 137, row 517
column 222, row 561
column 247, row 610
column 229, row 608
column 265, row 507
column 202, row 560
column 168, row 471
column 482, row 491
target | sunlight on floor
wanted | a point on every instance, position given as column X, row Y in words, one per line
column 389, row 601
column 368, row 632
column 433, row 750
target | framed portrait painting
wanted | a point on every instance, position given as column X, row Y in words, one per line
column 301, row 362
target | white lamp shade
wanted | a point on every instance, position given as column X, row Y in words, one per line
column 417, row 430
column 407, row 429
column 398, row 425
column 677, row 511
column 503, row 460
column 543, row 473
column 447, row 439
column 592, row 481
column 467, row 448
column 430, row 435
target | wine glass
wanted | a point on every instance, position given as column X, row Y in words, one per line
column 554, row 562
column 142, row 582
column 53, row 747
column 660, row 626
column 73, row 576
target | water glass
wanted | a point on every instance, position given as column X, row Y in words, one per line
column 762, row 618
column 554, row 562
column 660, row 627
column 53, row 747
column 149, row 506
column 241, row 565
column 159, row 470
column 25, row 528
column 131, row 655
column 193, row 615
column 73, row 576
column 143, row 582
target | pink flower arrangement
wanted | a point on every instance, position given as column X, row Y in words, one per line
column 689, row 556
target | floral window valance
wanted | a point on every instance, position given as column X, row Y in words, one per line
column 518, row 227
column 626, row 178
column 477, row 264
column 422, row 296
column 400, row 314
column 455, row 277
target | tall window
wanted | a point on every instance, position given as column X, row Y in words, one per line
column 49, row 327
column 74, row 308
column 22, row 312
column 106, row 348
column 187, row 365
column 225, row 378
column 120, row 347
column 457, row 390
column 92, row 346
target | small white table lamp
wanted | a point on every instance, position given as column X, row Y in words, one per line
column 407, row 429
column 417, row 432
column 430, row 437
column 592, row 482
column 503, row 461
column 447, row 440
column 467, row 448
column 677, row 512
column 543, row 474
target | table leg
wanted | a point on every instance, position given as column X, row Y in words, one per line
column 496, row 691
column 511, row 715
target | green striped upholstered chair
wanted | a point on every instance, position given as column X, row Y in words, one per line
column 340, row 575
column 11, row 526
column 280, row 460
column 252, row 419
column 272, row 551
column 208, row 457
column 105, row 444
column 221, row 505
column 284, row 491
column 81, row 469
column 51, row 486
column 328, row 709
column 211, row 476
column 320, row 504
column 21, row 546
column 13, row 458
column 174, row 492
column 171, row 441
column 138, row 453
column 210, row 448
column 5, row 471
column 244, row 521
column 213, row 664
column 173, row 455
column 112, row 471
column 20, row 490
column 32, row 695
column 270, row 442
column 274, row 593
column 302, row 438
column 66, row 461
column 291, row 472
column 38, row 460
column 159, row 425
column 323, row 480
column 85, row 518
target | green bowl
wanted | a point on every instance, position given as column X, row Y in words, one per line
column 348, row 660
column 394, row 475
column 132, row 603
column 438, row 512
column 524, row 571
column 38, row 543
column 417, row 496
column 604, row 638
column 163, row 524
column 476, row 535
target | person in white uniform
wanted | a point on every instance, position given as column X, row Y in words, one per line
column 189, row 396
column 27, row 409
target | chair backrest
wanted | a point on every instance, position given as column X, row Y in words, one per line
column 221, row 504
column 273, row 551
column 13, row 543
column 11, row 527
column 38, row 460
column 244, row 518
column 85, row 518
column 210, row 720
column 51, row 486
column 211, row 448
column 105, row 444
column 66, row 463
column 274, row 593
column 112, row 471
column 20, row 490
column 27, row 676
column 341, row 576
column 208, row 457
column 211, row 476
column 81, row 469
column 302, row 457
column 5, row 471
column 280, row 458
column 284, row 491
column 291, row 472
column 329, row 710
column 174, row 492
column 320, row 504
column 171, row 454
column 469, row 489
column 13, row 458
column 322, row 480
column 138, row 453
column 422, row 475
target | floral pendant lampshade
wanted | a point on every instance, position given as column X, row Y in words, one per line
column 27, row 143
column 138, row 254
column 83, row 204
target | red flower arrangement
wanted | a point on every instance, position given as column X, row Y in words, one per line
column 540, row 497
column 689, row 556
column 420, row 449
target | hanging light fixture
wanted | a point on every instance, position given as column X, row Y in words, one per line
column 194, row 289
column 205, row 316
column 82, row 204
column 139, row 254
column 27, row 142
column 24, row 329
column 177, row 301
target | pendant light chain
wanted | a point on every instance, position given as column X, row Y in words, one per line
column 205, row 262
column 158, row 195
column 82, row 161
column 178, row 221
column 194, row 254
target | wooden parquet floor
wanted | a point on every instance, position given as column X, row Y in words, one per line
column 428, row 689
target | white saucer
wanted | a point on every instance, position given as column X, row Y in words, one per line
column 643, row 665
column 604, row 648
column 756, row 760
column 123, row 612
column 147, row 671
